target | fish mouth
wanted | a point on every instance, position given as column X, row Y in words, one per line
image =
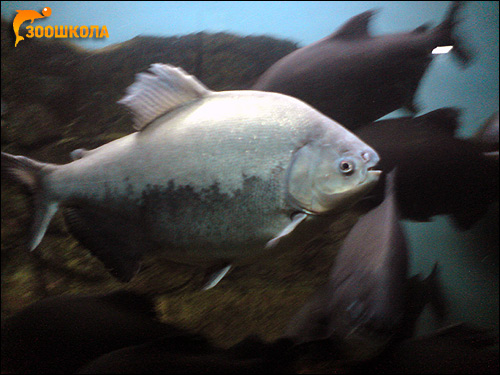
column 371, row 175
column 371, row 179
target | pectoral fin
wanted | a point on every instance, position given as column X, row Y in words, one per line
column 297, row 219
column 213, row 277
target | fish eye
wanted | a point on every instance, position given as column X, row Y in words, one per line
column 346, row 167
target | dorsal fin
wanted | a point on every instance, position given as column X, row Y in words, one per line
column 422, row 28
column 356, row 27
column 160, row 90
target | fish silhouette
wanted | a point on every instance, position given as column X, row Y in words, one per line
column 25, row 15
column 307, row 162
column 438, row 172
column 355, row 77
column 59, row 334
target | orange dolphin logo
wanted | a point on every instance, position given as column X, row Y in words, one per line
column 25, row 15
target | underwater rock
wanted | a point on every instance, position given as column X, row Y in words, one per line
column 30, row 126
column 80, row 87
column 356, row 78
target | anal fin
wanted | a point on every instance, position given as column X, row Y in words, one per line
column 117, row 241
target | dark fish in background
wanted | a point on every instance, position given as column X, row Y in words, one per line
column 460, row 348
column 368, row 300
column 209, row 179
column 61, row 334
column 166, row 356
column 438, row 173
column 457, row 349
column 356, row 78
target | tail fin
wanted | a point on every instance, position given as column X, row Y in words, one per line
column 437, row 299
column 419, row 294
column 447, row 36
column 30, row 174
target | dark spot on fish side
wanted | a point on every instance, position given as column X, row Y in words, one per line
column 169, row 217
column 208, row 215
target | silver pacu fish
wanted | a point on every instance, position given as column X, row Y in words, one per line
column 210, row 178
